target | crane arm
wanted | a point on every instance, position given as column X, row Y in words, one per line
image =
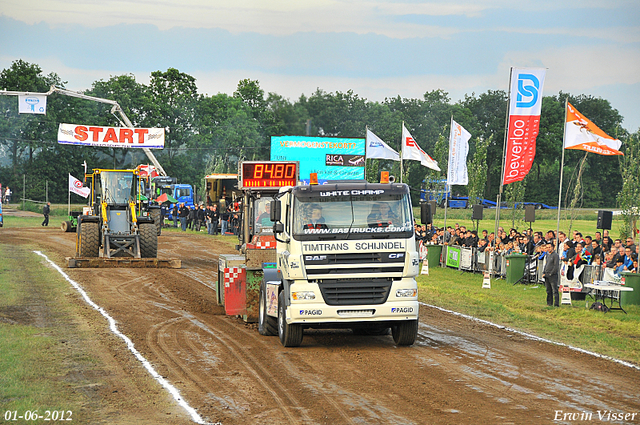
column 115, row 108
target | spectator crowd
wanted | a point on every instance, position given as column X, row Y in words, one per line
column 212, row 219
column 578, row 250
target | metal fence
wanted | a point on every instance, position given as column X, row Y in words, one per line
column 472, row 260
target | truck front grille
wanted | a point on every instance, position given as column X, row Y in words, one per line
column 355, row 291
column 353, row 270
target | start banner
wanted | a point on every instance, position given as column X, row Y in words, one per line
column 111, row 137
column 525, row 104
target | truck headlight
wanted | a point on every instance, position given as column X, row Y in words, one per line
column 406, row 292
column 303, row 295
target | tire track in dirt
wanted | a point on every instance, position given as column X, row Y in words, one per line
column 534, row 380
column 283, row 399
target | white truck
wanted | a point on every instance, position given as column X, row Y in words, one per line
column 346, row 257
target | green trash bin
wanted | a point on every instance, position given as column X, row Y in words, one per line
column 631, row 280
column 433, row 255
column 515, row 267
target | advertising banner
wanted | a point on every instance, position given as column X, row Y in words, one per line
column 584, row 135
column 377, row 148
column 411, row 150
column 525, row 104
column 32, row 104
column 77, row 187
column 453, row 256
column 458, row 151
column 110, row 137
column 333, row 158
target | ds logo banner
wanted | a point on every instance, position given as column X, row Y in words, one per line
column 529, row 91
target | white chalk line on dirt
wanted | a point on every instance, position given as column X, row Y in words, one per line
column 112, row 325
column 534, row 337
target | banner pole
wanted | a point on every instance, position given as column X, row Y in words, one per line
column 504, row 149
column 446, row 184
column 366, row 145
column 401, row 151
column 564, row 135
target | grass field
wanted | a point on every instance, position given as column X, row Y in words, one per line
column 39, row 343
column 524, row 307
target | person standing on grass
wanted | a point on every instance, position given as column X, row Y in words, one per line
column 550, row 275
column 45, row 211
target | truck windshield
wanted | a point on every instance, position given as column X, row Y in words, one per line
column 116, row 187
column 351, row 214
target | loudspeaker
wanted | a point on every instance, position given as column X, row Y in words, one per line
column 529, row 213
column 433, row 209
column 425, row 213
column 604, row 220
column 477, row 212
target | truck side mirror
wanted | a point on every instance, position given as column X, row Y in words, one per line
column 278, row 228
column 274, row 213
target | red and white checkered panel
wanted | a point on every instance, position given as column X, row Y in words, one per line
column 262, row 242
column 232, row 275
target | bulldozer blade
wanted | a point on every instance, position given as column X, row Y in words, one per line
column 100, row 262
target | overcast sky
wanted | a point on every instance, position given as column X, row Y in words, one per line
column 376, row 48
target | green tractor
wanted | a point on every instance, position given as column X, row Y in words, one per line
column 114, row 222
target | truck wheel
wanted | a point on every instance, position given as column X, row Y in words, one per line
column 405, row 332
column 148, row 240
column 155, row 214
column 290, row 335
column 89, row 240
column 267, row 325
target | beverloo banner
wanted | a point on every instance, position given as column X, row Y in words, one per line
column 525, row 104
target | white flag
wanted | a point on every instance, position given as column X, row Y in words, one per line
column 377, row 148
column 77, row 187
column 458, row 151
column 411, row 150
column 32, row 104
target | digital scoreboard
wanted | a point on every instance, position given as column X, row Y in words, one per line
column 268, row 174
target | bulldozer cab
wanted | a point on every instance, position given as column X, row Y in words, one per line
column 114, row 187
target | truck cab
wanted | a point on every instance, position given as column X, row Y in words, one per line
column 345, row 258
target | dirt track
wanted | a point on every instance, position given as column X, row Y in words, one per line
column 458, row 371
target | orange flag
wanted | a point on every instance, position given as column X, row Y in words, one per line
column 584, row 135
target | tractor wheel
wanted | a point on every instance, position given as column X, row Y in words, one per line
column 290, row 335
column 155, row 214
column 88, row 240
column 267, row 325
column 405, row 332
column 148, row 240
column 65, row 226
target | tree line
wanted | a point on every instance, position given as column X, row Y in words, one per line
column 211, row 133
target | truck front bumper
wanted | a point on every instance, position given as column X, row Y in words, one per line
column 320, row 313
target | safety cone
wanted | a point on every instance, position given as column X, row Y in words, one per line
column 486, row 281
column 566, row 295
column 425, row 267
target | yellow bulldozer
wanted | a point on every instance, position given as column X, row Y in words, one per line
column 113, row 225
